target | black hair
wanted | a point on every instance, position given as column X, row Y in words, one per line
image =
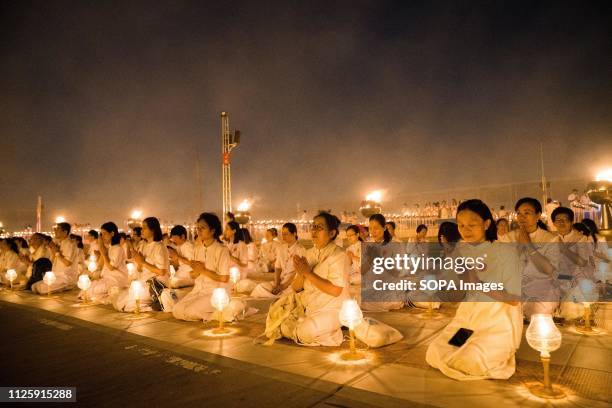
column 93, row 233
column 537, row 207
column 64, row 226
column 47, row 238
column 273, row 231
column 502, row 220
column 590, row 224
column 230, row 215
column 583, row 229
column 291, row 228
column 420, row 228
column 78, row 239
column 137, row 231
column 379, row 218
column 21, row 242
column 483, row 211
column 450, row 231
column 562, row 210
column 355, row 229
column 153, row 224
column 213, row 223
column 39, row 267
column 237, row 232
column 391, row 223
column 111, row 228
column 10, row 242
column 178, row 231
column 122, row 235
column 246, row 234
column 331, row 221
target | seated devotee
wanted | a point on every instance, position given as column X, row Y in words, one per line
column 39, row 268
column 448, row 236
column 539, row 253
column 353, row 251
column 210, row 270
column 310, row 315
column 113, row 264
column 284, row 269
column 182, row 254
column 602, row 252
column 503, row 226
column 78, row 241
column 65, row 266
column 380, row 235
column 267, row 253
column 494, row 318
column 390, row 226
column 10, row 259
column 252, row 251
column 91, row 244
column 39, row 249
column 238, row 250
column 418, row 245
column 152, row 265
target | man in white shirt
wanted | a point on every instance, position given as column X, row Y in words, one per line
column 65, row 266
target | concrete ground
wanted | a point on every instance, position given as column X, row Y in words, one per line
column 159, row 361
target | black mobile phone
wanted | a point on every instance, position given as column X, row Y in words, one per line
column 460, row 337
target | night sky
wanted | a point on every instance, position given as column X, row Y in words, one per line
column 105, row 106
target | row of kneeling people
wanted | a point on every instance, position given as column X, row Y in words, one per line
column 311, row 284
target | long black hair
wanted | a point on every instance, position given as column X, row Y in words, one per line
column 479, row 207
column 153, row 224
column 379, row 218
column 537, row 207
column 449, row 231
column 590, row 224
column 291, row 228
column 246, row 234
column 111, row 228
column 213, row 222
column 237, row 232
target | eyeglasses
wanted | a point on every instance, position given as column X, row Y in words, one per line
column 317, row 227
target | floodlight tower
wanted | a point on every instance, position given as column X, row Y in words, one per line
column 229, row 140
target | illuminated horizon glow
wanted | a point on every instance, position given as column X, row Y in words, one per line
column 59, row 219
column 375, row 196
column 245, row 205
column 604, row 175
column 136, row 214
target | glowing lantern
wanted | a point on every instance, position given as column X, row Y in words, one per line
column 351, row 316
column 131, row 269
column 587, row 287
column 84, row 284
column 49, row 278
column 543, row 336
column 11, row 275
column 219, row 300
column 136, row 293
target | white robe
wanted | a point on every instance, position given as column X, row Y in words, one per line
column 541, row 287
column 196, row 305
column 154, row 253
column 284, row 262
column 318, row 322
column 117, row 276
column 10, row 260
column 489, row 351
column 66, row 276
column 42, row 251
column 355, row 278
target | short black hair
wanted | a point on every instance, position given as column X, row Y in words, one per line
column 331, row 221
column 562, row 210
column 93, row 233
column 179, row 231
column 64, row 226
column 421, row 227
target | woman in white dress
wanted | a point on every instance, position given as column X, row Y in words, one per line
column 539, row 254
column 267, row 254
column 354, row 253
column 252, row 251
column 10, row 259
column 309, row 315
column 112, row 261
column 284, row 270
column 494, row 317
column 239, row 255
column 152, row 263
column 602, row 252
column 210, row 270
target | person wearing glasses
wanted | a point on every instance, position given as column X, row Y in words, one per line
column 309, row 314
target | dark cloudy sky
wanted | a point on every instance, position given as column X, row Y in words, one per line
column 105, row 106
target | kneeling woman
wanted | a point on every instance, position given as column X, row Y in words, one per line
column 494, row 318
column 114, row 269
column 153, row 262
column 210, row 270
column 310, row 315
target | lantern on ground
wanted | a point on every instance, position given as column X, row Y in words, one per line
column 543, row 336
column 84, row 284
column 49, row 278
column 351, row 316
column 11, row 275
column 219, row 300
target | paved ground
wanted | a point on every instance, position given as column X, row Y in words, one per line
column 159, row 361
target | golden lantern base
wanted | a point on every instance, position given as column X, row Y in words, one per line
column 221, row 330
column 540, row 390
column 352, row 356
column 136, row 316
